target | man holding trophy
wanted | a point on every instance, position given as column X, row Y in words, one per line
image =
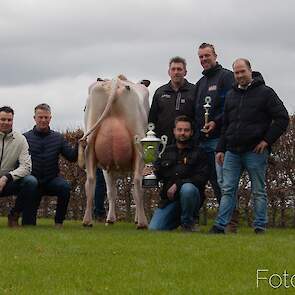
column 210, row 95
column 183, row 169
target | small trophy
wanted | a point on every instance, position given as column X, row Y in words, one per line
column 207, row 106
column 150, row 146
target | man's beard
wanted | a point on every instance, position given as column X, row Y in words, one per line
column 183, row 140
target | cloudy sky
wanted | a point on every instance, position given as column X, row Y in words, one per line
column 52, row 50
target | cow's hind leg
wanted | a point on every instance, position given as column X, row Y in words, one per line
column 111, row 194
column 89, row 184
column 138, row 195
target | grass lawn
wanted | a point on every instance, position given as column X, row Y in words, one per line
column 122, row 260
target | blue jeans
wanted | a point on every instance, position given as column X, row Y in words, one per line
column 24, row 189
column 233, row 165
column 100, row 193
column 216, row 177
column 181, row 211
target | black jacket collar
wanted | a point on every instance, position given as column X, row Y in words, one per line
column 184, row 87
column 191, row 145
column 41, row 134
column 210, row 72
column 257, row 80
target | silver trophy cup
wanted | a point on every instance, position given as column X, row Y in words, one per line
column 150, row 152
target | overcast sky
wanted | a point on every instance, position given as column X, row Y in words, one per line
column 51, row 51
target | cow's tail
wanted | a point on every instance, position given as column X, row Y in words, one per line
column 106, row 111
column 81, row 155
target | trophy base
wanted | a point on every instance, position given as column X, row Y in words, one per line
column 150, row 181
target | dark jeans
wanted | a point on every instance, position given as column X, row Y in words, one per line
column 215, row 179
column 25, row 195
column 100, row 193
column 59, row 187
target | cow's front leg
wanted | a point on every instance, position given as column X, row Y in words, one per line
column 138, row 195
column 111, row 194
column 89, row 184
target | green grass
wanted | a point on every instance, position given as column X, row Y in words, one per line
column 122, row 260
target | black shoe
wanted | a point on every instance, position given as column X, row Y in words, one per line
column 215, row 230
column 259, row 231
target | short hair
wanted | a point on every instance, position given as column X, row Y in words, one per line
column 43, row 106
column 246, row 61
column 177, row 59
column 205, row 45
column 7, row 109
column 183, row 118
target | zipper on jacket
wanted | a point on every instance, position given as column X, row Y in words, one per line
column 2, row 151
column 178, row 99
column 239, row 115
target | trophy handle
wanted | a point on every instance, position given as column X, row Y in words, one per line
column 137, row 144
column 164, row 139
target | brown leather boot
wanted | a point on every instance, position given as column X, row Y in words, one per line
column 13, row 219
column 232, row 227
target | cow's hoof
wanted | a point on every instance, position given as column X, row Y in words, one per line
column 87, row 225
column 141, row 227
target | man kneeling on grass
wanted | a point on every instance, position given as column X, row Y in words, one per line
column 15, row 167
column 46, row 145
column 184, row 171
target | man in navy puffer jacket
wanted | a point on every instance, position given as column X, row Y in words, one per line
column 45, row 146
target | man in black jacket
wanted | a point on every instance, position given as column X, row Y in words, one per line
column 172, row 99
column 184, row 171
column 254, row 118
column 45, row 146
column 215, row 83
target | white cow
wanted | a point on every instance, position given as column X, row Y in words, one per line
column 115, row 112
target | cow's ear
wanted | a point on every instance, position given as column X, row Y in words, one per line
column 146, row 83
